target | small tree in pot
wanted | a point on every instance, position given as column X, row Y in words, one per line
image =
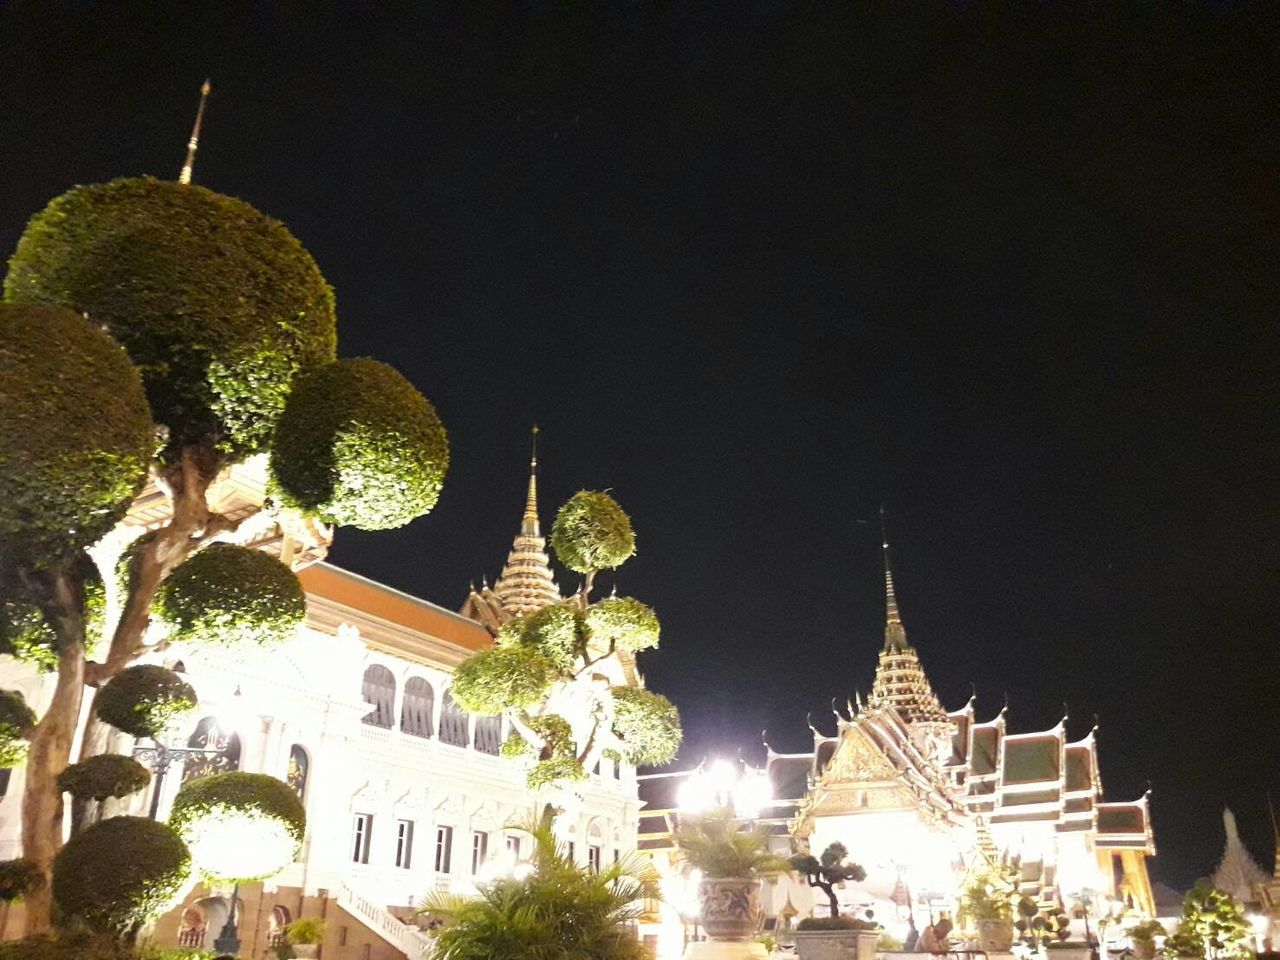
column 732, row 858
column 836, row 936
column 1144, row 938
column 305, row 936
column 988, row 904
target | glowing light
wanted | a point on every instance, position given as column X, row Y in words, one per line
column 726, row 784
column 229, row 845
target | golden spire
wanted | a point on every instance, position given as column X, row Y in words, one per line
column 526, row 583
column 895, row 635
column 194, row 143
column 529, row 524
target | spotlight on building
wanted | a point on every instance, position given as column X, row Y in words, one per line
column 726, row 783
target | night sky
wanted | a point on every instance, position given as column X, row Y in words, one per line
column 759, row 267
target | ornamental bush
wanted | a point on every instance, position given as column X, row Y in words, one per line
column 143, row 700
column 102, row 776
column 16, row 721
column 228, row 594
column 503, row 678
column 25, row 635
column 120, row 873
column 591, row 532
column 623, row 623
column 17, row 877
column 240, row 827
column 68, row 945
column 359, row 446
column 217, row 304
column 75, row 433
column 558, row 632
column 648, row 725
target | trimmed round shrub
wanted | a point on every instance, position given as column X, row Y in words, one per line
column 648, row 725
column 143, row 700
column 591, row 532
column 557, row 770
column 228, row 594
column 25, row 635
column 239, row 826
column 217, row 304
column 120, row 873
column 17, row 878
column 75, row 433
column 557, row 631
column 503, row 678
column 359, row 446
column 623, row 623
column 67, row 945
column 16, row 721
column 106, row 775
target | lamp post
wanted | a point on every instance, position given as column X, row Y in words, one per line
column 229, row 936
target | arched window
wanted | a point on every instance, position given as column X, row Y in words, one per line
column 380, row 692
column 223, row 755
column 299, row 767
column 4, row 781
column 453, row 723
column 489, row 735
column 419, row 704
column 276, row 922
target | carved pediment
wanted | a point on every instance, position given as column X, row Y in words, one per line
column 858, row 760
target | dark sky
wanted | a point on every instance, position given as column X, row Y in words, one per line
column 760, row 266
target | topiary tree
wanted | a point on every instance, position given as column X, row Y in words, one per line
column 120, row 874
column 16, row 878
column 203, row 315
column 549, row 671
column 17, row 720
column 143, row 700
column 100, row 777
column 1212, row 926
column 827, row 871
column 239, row 826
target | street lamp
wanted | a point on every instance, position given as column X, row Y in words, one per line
column 726, row 784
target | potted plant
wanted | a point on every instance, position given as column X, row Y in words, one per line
column 834, row 937
column 731, row 858
column 1144, row 936
column 988, row 903
column 305, row 936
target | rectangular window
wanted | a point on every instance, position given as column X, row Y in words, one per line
column 513, row 848
column 444, row 848
column 479, row 850
column 573, row 852
column 362, row 829
column 617, row 769
column 593, row 858
column 617, row 854
column 404, row 843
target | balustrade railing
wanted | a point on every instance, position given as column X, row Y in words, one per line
column 411, row 941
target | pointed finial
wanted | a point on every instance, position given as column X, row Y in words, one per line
column 194, row 143
column 1275, row 833
column 895, row 635
column 529, row 525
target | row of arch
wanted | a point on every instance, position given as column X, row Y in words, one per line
column 417, row 712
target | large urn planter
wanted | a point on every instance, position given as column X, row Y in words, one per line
column 730, row 907
column 996, row 936
column 836, row 944
column 1144, row 949
column 1069, row 951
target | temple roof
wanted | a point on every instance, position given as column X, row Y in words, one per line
column 1238, row 873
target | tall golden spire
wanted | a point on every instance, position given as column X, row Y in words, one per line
column 895, row 634
column 194, row 143
column 526, row 583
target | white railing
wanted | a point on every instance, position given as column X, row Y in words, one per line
column 409, row 940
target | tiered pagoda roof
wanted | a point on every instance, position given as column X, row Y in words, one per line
column 526, row 583
column 1238, row 873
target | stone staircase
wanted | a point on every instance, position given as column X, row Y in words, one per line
column 409, row 940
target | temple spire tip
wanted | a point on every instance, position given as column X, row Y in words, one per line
column 193, row 144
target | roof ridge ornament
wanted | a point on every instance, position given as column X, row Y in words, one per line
column 188, row 166
column 895, row 635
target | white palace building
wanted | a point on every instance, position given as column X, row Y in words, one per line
column 405, row 793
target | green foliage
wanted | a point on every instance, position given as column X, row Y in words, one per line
column 516, row 746
column 1212, row 926
column 17, row 878
column 558, row 631
column 503, row 678
column 120, row 873
column 26, row 636
column 75, row 434
column 559, row 911
column 217, row 304
column 359, row 446
column 1147, row 931
column 838, row 922
column 143, row 700
column 240, row 826
column 306, row 930
column 555, row 731
column 721, row 846
column 152, row 952
column 556, row 770
column 826, row 871
column 16, row 721
column 990, row 895
column 623, row 623
column 102, row 776
column 228, row 594
column 68, row 945
column 647, row 724
column 591, row 532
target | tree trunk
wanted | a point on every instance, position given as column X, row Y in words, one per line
column 829, row 890
column 51, row 747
